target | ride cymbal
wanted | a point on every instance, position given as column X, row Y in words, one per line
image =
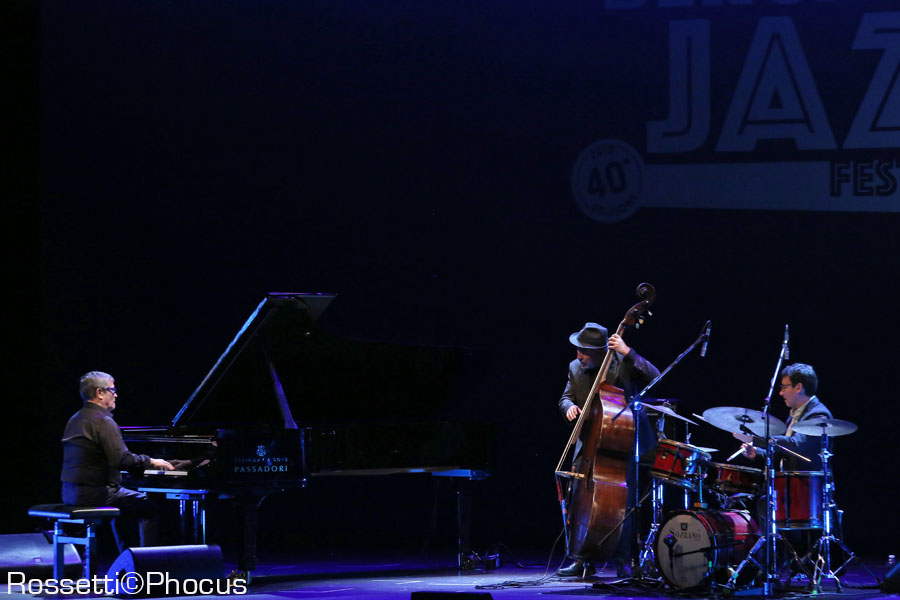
column 740, row 420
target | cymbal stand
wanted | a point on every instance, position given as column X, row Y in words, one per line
column 686, row 494
column 647, row 556
column 820, row 553
column 636, row 407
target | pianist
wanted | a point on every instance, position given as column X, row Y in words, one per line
column 94, row 455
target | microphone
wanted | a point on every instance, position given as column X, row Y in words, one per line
column 669, row 541
column 705, row 338
column 787, row 338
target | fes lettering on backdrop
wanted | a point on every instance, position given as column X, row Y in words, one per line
column 775, row 97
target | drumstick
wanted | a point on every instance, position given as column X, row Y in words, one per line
column 739, row 450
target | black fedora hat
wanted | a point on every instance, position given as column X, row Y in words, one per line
column 592, row 336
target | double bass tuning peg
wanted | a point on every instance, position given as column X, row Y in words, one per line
column 641, row 318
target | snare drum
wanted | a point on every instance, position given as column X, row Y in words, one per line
column 798, row 496
column 733, row 479
column 693, row 546
column 679, row 464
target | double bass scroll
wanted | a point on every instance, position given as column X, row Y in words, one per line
column 598, row 489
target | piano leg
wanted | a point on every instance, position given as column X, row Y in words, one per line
column 198, row 519
column 199, row 522
column 463, row 520
column 182, row 518
column 249, row 509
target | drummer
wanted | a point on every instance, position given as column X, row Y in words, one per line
column 629, row 371
column 798, row 388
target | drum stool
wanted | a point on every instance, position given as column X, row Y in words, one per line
column 89, row 516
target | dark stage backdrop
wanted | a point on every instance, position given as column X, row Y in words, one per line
column 488, row 175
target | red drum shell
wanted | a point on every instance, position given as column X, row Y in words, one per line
column 798, row 499
column 679, row 464
column 734, row 479
column 693, row 544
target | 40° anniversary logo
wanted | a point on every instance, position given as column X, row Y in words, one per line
column 607, row 179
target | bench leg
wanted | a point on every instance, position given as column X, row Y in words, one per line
column 90, row 551
column 59, row 552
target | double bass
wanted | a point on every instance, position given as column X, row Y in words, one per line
column 598, row 491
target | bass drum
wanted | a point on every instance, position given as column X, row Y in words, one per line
column 696, row 545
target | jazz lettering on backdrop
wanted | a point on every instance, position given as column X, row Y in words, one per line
column 775, row 97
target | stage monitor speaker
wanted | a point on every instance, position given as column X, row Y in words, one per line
column 133, row 568
column 891, row 581
column 32, row 554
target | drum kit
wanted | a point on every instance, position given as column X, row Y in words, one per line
column 714, row 547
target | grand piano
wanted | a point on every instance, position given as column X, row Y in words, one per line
column 287, row 403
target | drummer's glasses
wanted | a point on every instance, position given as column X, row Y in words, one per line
column 787, row 385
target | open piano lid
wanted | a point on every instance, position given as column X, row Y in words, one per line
column 244, row 381
column 281, row 368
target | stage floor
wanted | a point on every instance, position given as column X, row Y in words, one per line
column 395, row 578
column 380, row 575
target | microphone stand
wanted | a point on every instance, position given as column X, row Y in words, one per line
column 636, row 407
column 771, row 532
column 771, row 569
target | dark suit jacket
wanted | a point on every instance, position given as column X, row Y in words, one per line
column 631, row 373
column 807, row 445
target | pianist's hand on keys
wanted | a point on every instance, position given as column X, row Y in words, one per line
column 164, row 465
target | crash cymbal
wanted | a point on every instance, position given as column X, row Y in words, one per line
column 830, row 427
column 668, row 411
column 731, row 418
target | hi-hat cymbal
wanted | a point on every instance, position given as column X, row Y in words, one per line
column 732, row 418
column 658, row 401
column 668, row 411
column 830, row 427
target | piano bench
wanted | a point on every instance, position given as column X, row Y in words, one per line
column 89, row 516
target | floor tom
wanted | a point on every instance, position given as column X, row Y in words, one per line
column 798, row 499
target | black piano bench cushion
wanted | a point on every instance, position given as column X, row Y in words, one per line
column 67, row 511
